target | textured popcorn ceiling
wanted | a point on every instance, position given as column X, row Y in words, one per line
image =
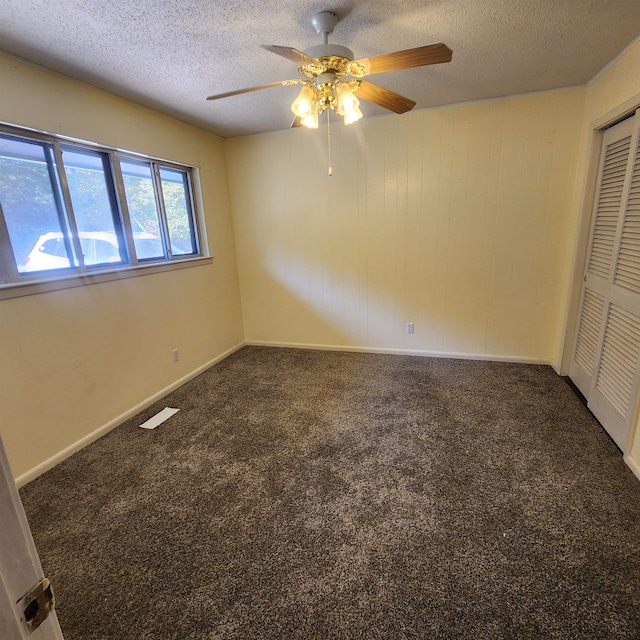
column 171, row 55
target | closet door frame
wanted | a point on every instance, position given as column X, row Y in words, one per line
column 589, row 193
column 614, row 327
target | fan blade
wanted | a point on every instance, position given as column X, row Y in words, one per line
column 290, row 53
column 297, row 122
column 384, row 97
column 418, row 57
column 281, row 83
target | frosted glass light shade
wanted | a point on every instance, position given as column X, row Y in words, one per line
column 304, row 104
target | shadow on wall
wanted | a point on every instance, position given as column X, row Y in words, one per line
column 312, row 302
column 288, row 313
column 430, row 218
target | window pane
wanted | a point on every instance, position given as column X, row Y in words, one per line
column 177, row 203
column 143, row 209
column 32, row 211
column 90, row 190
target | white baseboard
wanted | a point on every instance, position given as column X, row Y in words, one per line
column 112, row 424
column 633, row 465
column 405, row 352
column 555, row 366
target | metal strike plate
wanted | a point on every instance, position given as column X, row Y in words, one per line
column 35, row 606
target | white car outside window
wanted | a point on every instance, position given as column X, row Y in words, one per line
column 98, row 247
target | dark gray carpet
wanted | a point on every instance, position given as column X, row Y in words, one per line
column 305, row 494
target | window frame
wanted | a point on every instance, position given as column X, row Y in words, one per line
column 15, row 283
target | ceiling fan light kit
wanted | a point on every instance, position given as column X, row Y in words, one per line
column 331, row 78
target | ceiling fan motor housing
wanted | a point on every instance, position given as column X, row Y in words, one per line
column 326, row 50
column 328, row 58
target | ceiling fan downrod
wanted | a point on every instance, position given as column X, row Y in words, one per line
column 324, row 23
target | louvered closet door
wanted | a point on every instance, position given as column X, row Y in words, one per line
column 606, row 358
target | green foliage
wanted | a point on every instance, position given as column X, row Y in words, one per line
column 177, row 215
column 142, row 204
column 90, row 199
column 25, row 192
column 27, row 202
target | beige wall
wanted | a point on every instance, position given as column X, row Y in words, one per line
column 75, row 360
column 457, row 219
column 616, row 84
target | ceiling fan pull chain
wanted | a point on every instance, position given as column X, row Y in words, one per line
column 329, row 142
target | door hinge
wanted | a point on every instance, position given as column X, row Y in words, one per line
column 34, row 607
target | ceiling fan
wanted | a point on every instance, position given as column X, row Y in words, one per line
column 332, row 79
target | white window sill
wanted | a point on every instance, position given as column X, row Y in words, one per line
column 34, row 285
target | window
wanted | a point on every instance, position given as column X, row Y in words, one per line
column 69, row 208
column 144, row 212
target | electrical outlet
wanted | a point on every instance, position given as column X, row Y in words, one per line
column 409, row 327
column 176, row 355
